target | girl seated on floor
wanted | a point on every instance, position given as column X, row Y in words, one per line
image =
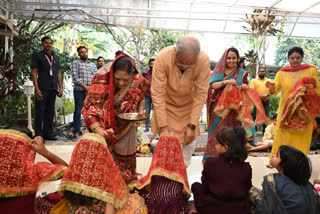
column 93, row 183
column 20, row 176
column 288, row 191
column 251, row 136
column 226, row 179
column 165, row 187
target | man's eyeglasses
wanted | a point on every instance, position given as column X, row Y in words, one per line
column 184, row 65
column 178, row 63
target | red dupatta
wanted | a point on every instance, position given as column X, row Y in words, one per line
column 302, row 105
column 93, row 173
column 167, row 161
column 242, row 101
column 19, row 174
column 294, row 69
column 110, row 82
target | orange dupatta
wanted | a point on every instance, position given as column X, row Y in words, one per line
column 242, row 101
column 302, row 105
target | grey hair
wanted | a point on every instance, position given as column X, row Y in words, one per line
column 185, row 42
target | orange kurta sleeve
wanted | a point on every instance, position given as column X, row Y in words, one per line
column 201, row 89
column 159, row 90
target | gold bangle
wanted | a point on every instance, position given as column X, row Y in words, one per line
column 97, row 124
column 95, row 129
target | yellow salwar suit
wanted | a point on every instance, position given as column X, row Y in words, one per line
column 284, row 82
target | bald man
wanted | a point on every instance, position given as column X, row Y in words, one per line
column 180, row 81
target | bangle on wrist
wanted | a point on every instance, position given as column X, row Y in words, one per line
column 96, row 128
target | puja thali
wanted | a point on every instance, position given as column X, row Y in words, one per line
column 133, row 116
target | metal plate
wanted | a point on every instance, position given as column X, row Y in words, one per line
column 133, row 117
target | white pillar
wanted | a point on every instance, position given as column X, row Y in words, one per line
column 28, row 88
column 29, row 115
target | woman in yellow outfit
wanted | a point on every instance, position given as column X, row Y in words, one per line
column 285, row 80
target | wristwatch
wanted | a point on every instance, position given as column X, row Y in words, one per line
column 191, row 126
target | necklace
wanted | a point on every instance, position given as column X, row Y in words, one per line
column 228, row 71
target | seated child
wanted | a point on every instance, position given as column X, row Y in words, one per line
column 20, row 175
column 226, row 179
column 93, row 183
column 251, row 136
column 267, row 138
column 288, row 191
column 165, row 187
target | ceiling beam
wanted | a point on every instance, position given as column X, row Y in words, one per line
column 82, row 13
column 83, row 6
column 189, row 13
column 225, row 23
column 3, row 8
column 171, row 29
column 274, row 4
column 149, row 7
column 311, row 6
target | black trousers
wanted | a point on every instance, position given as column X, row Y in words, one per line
column 266, row 110
column 44, row 113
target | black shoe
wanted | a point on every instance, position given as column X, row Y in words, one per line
column 50, row 138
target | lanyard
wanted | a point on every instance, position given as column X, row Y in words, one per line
column 50, row 63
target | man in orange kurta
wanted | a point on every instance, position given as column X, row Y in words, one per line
column 180, row 82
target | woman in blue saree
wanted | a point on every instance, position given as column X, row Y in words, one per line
column 227, row 71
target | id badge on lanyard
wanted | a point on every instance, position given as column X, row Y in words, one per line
column 50, row 63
